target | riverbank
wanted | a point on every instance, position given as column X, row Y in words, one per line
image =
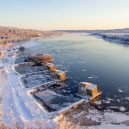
column 114, row 37
column 18, row 114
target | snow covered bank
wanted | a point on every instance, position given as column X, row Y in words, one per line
column 89, row 118
column 115, row 37
column 18, row 109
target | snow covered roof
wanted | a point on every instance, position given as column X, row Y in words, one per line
column 60, row 72
column 50, row 64
column 91, row 86
column 88, row 85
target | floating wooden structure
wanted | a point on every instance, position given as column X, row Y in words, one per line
column 46, row 58
column 45, row 89
column 60, row 75
column 51, row 66
column 40, row 58
column 52, row 100
column 72, row 106
column 90, row 90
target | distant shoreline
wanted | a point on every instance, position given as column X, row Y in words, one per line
column 111, row 38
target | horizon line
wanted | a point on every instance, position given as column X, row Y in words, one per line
column 27, row 28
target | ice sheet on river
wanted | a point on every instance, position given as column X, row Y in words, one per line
column 35, row 79
column 53, row 100
column 26, row 68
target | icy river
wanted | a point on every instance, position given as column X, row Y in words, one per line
column 91, row 59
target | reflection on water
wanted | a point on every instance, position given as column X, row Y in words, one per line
column 88, row 58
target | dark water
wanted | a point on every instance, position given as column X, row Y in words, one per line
column 91, row 59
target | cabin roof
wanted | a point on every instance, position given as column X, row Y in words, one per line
column 50, row 64
column 60, row 72
column 91, row 86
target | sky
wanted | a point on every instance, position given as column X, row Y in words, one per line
column 65, row 14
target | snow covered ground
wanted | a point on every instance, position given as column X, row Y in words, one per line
column 20, row 110
column 89, row 118
column 116, row 37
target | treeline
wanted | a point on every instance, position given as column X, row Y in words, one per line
column 12, row 34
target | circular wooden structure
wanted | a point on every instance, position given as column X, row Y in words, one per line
column 40, row 58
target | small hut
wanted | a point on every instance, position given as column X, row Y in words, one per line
column 89, row 89
column 50, row 66
column 60, row 75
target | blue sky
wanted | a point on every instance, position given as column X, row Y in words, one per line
column 65, row 14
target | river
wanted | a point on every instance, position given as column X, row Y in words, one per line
column 92, row 59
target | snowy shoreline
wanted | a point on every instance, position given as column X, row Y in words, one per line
column 23, row 111
column 114, row 37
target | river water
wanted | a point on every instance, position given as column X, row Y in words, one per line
column 89, row 58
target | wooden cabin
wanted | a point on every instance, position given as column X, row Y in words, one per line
column 50, row 66
column 89, row 89
column 60, row 75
